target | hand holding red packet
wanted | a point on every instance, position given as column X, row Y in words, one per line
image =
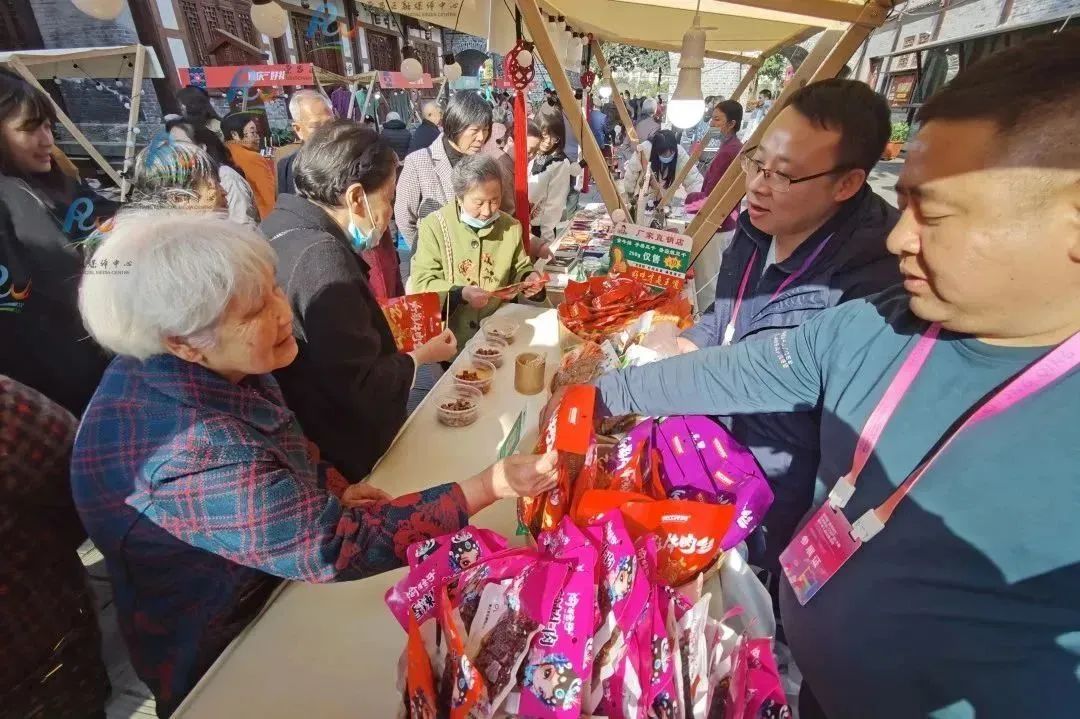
column 413, row 319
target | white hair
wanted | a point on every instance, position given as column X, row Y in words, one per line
column 161, row 274
column 649, row 106
column 429, row 107
column 392, row 116
column 301, row 96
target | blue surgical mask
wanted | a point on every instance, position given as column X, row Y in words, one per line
column 363, row 240
column 475, row 222
column 667, row 159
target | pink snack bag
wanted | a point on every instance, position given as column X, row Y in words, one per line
column 437, row 560
column 460, row 548
column 558, row 664
column 755, row 691
column 658, row 664
column 626, row 694
column 622, row 593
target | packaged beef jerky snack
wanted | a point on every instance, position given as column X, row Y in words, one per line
column 694, row 659
column 755, row 690
column 677, row 693
column 654, row 630
column 626, row 465
column 689, row 535
column 509, row 619
column 415, row 594
column 461, row 688
column 682, row 471
column 558, row 663
column 419, row 680
column 595, row 502
column 621, row 593
column 465, row 588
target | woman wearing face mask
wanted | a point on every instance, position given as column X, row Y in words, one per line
column 426, row 181
column 470, row 247
column 349, row 384
column 44, row 216
column 724, row 128
column 666, row 159
column 549, row 178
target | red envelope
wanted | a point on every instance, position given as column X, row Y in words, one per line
column 414, row 319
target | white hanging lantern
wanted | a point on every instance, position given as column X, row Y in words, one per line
column 410, row 66
column 100, row 9
column 269, row 18
column 605, row 91
column 573, row 51
column 525, row 58
column 687, row 103
column 451, row 69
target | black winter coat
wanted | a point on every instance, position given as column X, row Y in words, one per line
column 349, row 385
column 423, row 136
column 398, row 137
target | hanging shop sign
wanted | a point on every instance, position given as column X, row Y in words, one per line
column 396, row 80
column 247, row 75
column 656, row 257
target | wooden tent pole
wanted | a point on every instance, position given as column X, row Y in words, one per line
column 829, row 54
column 594, row 158
column 133, row 119
column 744, row 83
column 616, row 96
column 17, row 65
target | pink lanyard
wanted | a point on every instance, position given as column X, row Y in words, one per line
column 1043, row 372
column 729, row 330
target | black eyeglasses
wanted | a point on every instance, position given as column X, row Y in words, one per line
column 778, row 181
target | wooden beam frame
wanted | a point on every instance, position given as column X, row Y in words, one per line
column 823, row 9
column 617, row 98
column 712, row 54
column 830, row 53
column 744, row 83
column 133, row 118
column 594, row 158
column 18, row 66
column 731, row 187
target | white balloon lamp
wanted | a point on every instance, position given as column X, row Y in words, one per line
column 100, row 9
column 687, row 104
column 269, row 18
column 451, row 69
column 410, row 66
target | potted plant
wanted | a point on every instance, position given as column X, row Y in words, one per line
column 897, row 138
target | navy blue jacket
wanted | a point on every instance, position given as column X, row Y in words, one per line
column 853, row 264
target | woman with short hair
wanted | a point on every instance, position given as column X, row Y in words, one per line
column 189, row 471
column 470, row 247
column 350, row 384
column 179, row 175
column 426, row 182
column 243, row 140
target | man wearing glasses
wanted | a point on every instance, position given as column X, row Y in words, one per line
column 813, row 236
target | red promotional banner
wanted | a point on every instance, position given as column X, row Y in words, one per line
column 244, row 76
column 414, row 319
column 392, row 80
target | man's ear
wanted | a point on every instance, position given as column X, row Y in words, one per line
column 1072, row 220
column 850, row 183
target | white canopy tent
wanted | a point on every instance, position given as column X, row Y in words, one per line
column 134, row 62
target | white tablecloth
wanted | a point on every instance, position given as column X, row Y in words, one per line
column 328, row 651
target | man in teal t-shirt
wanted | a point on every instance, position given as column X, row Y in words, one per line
column 967, row 604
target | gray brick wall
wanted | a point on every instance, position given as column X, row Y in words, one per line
column 100, row 115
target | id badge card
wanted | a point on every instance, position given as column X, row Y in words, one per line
column 817, row 552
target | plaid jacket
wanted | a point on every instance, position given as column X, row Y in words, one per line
column 201, row 493
column 49, row 637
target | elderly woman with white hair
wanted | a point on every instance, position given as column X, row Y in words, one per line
column 192, row 476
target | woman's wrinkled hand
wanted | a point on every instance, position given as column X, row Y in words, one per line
column 524, row 475
column 442, row 348
column 476, row 298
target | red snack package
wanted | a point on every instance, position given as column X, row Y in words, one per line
column 462, row 687
column 413, row 319
column 570, row 431
column 419, row 680
column 689, row 534
column 595, row 502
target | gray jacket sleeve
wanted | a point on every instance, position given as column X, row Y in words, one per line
column 782, row 373
column 239, row 197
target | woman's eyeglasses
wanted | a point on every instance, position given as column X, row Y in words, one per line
column 778, row 181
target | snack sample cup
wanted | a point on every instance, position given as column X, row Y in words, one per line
column 477, row 374
column 458, row 406
column 529, row 371
column 489, row 350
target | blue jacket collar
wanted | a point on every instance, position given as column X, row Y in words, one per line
column 836, row 224
column 256, row 400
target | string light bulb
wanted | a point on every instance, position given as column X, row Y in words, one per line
column 269, row 18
